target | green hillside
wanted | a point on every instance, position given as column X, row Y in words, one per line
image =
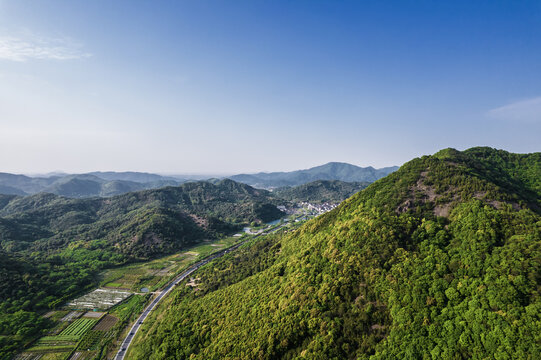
column 168, row 218
column 321, row 191
column 439, row 260
column 53, row 247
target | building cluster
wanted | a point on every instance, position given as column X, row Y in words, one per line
column 318, row 208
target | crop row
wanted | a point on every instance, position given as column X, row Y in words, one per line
column 90, row 339
column 58, row 348
column 58, row 338
column 79, row 327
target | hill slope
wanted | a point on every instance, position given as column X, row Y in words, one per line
column 331, row 171
column 53, row 247
column 383, row 276
column 169, row 214
column 321, row 191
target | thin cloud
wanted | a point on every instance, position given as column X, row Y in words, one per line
column 23, row 49
column 524, row 110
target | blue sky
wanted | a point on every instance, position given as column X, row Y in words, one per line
column 244, row 86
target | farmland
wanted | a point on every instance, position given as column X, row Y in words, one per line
column 106, row 323
column 80, row 334
column 67, row 340
column 78, row 328
column 45, row 356
column 99, row 299
column 90, row 340
column 155, row 274
column 72, row 315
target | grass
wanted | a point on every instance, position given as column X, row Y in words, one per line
column 114, row 285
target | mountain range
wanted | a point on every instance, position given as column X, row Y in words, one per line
column 100, row 184
column 105, row 184
column 330, row 171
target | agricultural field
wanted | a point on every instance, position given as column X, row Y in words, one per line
column 72, row 315
column 155, row 274
column 83, row 355
column 56, row 342
column 83, row 338
column 42, row 356
column 94, row 314
column 55, row 356
column 78, row 328
column 101, row 299
column 90, row 340
column 106, row 323
column 61, row 345
column 84, row 335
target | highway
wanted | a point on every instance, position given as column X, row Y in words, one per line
column 133, row 331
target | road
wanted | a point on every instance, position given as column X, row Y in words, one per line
column 133, row 331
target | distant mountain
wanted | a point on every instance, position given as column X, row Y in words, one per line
column 10, row 190
column 139, row 177
column 105, row 184
column 102, row 184
column 331, row 171
column 27, row 184
column 320, row 191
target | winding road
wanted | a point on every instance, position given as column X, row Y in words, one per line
column 133, row 331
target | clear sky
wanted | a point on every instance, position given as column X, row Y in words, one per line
column 243, row 86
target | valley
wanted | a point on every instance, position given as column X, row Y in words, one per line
column 90, row 327
column 93, row 325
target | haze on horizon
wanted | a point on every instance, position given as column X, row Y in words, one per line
column 218, row 87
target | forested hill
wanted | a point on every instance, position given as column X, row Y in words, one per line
column 439, row 260
column 138, row 224
column 53, row 247
column 320, row 191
